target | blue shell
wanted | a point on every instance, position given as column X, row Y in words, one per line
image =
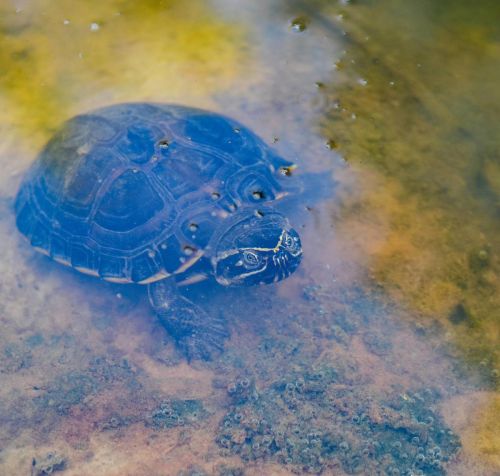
column 133, row 192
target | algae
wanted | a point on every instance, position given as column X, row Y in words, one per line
column 417, row 104
column 310, row 425
column 59, row 58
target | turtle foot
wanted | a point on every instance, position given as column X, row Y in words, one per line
column 204, row 343
column 199, row 335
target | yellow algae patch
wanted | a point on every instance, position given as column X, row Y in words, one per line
column 61, row 58
column 477, row 417
column 487, row 439
column 492, row 173
column 422, row 118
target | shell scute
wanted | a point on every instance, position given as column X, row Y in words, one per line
column 213, row 131
column 138, row 143
column 144, row 266
column 111, row 266
column 58, row 248
column 40, row 236
column 84, row 180
column 119, row 209
column 46, row 201
column 198, row 228
column 25, row 213
column 83, row 257
column 253, row 185
column 170, row 253
column 182, row 171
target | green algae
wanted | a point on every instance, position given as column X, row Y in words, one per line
column 311, row 407
column 58, row 58
column 415, row 101
column 173, row 413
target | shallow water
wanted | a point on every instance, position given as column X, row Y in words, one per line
column 380, row 354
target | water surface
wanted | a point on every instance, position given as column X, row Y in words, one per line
column 380, row 356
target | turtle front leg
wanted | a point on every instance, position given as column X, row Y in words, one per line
column 197, row 334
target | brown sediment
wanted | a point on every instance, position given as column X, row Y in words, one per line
column 420, row 128
column 476, row 418
column 434, row 209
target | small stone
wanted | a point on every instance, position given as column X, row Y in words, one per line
column 458, row 314
column 331, row 144
column 299, row 24
column 49, row 464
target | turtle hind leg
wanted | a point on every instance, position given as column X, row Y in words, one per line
column 199, row 335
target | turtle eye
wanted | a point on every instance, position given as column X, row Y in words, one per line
column 290, row 243
column 250, row 259
column 287, row 240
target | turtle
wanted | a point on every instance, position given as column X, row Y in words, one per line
column 164, row 196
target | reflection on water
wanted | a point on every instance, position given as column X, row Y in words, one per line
column 379, row 355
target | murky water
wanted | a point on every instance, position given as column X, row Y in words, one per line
column 381, row 355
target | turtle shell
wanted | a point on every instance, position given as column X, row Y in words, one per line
column 134, row 192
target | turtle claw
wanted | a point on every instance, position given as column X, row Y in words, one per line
column 206, row 339
column 205, row 347
column 198, row 335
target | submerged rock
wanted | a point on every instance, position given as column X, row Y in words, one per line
column 49, row 464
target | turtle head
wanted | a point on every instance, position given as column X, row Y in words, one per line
column 256, row 248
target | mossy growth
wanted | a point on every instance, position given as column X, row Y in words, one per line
column 15, row 357
column 173, row 413
column 486, row 440
column 313, row 421
column 420, row 134
column 70, row 389
column 56, row 57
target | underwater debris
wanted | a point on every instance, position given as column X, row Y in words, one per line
column 35, row 340
column 115, row 422
column 49, row 464
column 224, row 470
column 110, row 370
column 14, row 358
column 458, row 314
column 173, row 413
column 72, row 388
column 479, row 259
column 377, row 344
column 193, row 471
column 242, row 390
column 299, row 24
column 66, row 391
